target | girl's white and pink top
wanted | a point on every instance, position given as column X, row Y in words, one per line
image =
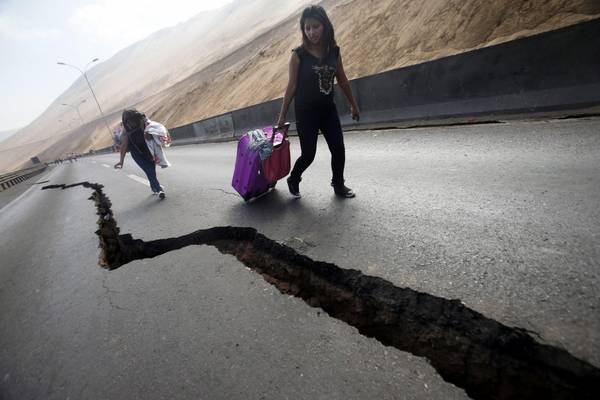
column 160, row 139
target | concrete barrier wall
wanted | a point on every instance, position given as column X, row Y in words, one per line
column 257, row 116
column 551, row 71
column 559, row 69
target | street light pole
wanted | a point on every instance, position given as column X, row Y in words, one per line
column 76, row 108
column 83, row 72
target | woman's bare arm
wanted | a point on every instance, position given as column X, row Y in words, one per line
column 124, row 147
column 342, row 80
column 290, row 91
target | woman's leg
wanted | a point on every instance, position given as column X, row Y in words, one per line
column 149, row 169
column 332, row 131
column 151, row 174
column 308, row 129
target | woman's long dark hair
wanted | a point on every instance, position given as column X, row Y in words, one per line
column 318, row 13
column 133, row 119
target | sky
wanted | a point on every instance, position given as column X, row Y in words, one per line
column 36, row 34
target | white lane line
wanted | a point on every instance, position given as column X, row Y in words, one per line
column 140, row 180
column 107, row 166
column 15, row 201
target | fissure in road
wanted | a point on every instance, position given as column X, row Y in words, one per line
column 487, row 359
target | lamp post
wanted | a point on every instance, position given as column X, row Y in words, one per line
column 76, row 108
column 83, row 72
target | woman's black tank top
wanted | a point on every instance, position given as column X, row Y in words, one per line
column 137, row 143
column 315, row 78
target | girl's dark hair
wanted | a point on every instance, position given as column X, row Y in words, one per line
column 318, row 13
column 133, row 119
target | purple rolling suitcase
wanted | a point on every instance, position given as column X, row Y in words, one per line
column 247, row 179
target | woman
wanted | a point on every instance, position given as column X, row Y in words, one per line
column 312, row 69
column 134, row 141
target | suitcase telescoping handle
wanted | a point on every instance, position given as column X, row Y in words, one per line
column 281, row 128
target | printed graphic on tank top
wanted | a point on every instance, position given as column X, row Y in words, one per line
column 315, row 78
column 325, row 74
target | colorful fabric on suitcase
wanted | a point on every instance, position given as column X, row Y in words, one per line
column 261, row 143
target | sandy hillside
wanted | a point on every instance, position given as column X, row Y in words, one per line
column 211, row 68
column 145, row 68
column 6, row 134
column 159, row 61
column 374, row 35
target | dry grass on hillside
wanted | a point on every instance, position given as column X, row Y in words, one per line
column 375, row 36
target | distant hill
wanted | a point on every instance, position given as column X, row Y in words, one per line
column 6, row 134
column 237, row 56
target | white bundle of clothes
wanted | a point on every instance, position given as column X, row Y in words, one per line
column 159, row 140
column 261, row 143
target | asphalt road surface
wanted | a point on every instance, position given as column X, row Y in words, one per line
column 504, row 217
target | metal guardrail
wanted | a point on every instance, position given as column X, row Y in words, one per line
column 16, row 177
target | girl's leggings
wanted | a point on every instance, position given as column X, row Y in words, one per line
column 148, row 167
column 308, row 122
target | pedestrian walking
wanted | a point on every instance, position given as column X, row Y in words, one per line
column 135, row 140
column 312, row 69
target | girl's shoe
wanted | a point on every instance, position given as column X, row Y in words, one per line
column 294, row 187
column 161, row 195
column 343, row 191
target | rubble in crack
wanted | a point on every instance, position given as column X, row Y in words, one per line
column 108, row 231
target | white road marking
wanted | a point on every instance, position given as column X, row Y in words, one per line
column 107, row 166
column 15, row 201
column 139, row 180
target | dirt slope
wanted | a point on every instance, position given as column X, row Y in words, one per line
column 374, row 35
column 203, row 68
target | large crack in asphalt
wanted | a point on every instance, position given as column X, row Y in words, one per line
column 487, row 359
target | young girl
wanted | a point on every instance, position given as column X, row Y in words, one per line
column 134, row 141
column 312, row 68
